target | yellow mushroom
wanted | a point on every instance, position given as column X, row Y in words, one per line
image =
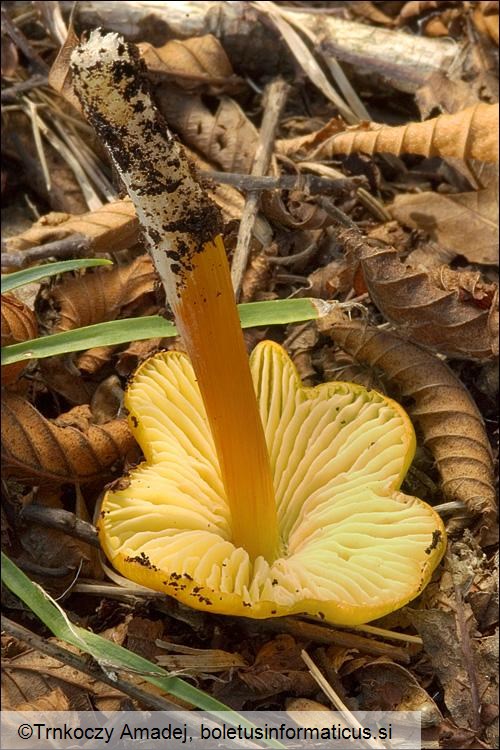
column 257, row 496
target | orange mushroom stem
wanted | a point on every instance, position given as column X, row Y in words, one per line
column 183, row 227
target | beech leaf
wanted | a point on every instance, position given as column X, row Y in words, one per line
column 191, row 63
column 18, row 324
column 428, row 308
column 227, row 138
column 109, row 228
column 469, row 134
column 450, row 422
column 33, row 446
column 106, row 294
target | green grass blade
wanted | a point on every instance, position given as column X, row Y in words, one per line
column 100, row 334
column 19, row 278
column 108, row 654
column 274, row 312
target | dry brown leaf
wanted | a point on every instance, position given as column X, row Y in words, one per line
column 33, row 677
column 306, row 143
column 33, row 446
column 57, row 555
column 59, row 74
column 386, row 686
column 296, row 213
column 257, row 275
column 61, row 376
column 91, row 361
column 110, row 228
column 142, row 635
column 198, row 660
column 443, row 643
column 130, row 358
column 106, row 294
column 435, row 309
column 466, row 223
column 328, row 282
column 192, row 63
column 451, row 424
column 226, row 138
column 444, row 93
column 279, row 667
column 18, row 324
column 53, row 701
column 469, row 134
column 440, row 25
column 415, row 8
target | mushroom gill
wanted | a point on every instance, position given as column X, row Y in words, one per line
column 352, row 548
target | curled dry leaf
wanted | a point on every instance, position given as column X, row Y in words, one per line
column 94, row 359
column 106, row 294
column 451, row 312
column 256, row 277
column 464, row 222
column 451, row 424
column 130, row 358
column 110, row 228
column 332, row 280
column 297, row 213
column 18, row 324
column 306, row 143
column 36, row 447
column 469, row 134
column 227, row 138
column 192, row 63
column 59, row 75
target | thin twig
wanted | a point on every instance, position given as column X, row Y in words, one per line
column 85, row 665
column 308, row 631
column 342, row 218
column 372, row 204
column 37, row 137
column 290, row 260
column 74, row 246
column 63, row 520
column 311, row 184
column 275, row 98
column 10, row 94
column 335, row 699
column 389, row 634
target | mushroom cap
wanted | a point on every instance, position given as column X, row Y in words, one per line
column 353, row 548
